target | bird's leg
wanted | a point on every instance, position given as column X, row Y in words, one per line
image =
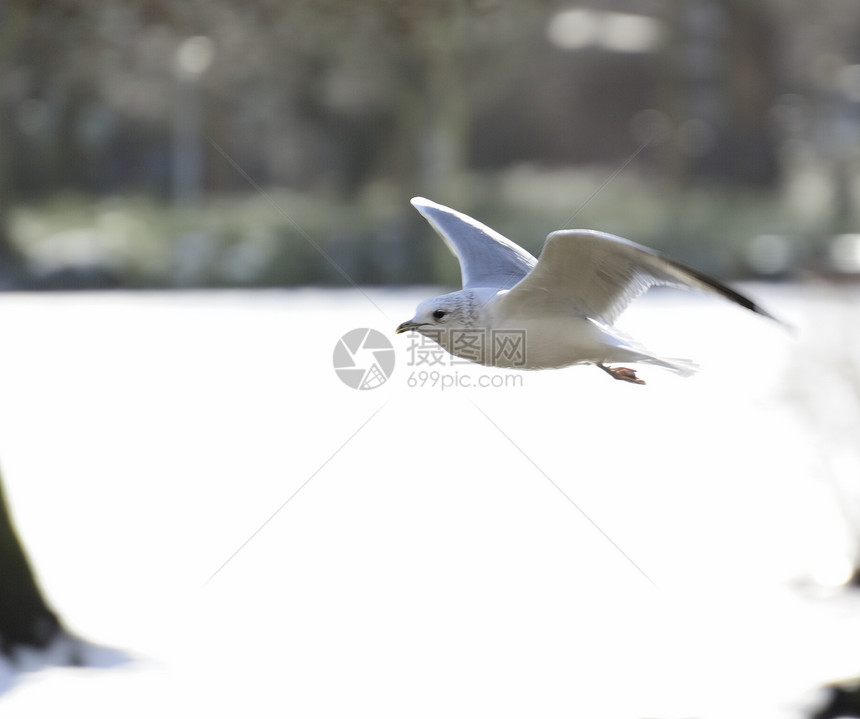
column 622, row 373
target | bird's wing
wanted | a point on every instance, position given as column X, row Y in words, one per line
column 487, row 259
column 597, row 275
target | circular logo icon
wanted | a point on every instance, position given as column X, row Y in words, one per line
column 363, row 358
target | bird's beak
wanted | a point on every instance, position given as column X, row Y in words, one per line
column 406, row 326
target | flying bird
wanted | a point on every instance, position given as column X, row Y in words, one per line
column 516, row 311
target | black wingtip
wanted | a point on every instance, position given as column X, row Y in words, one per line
column 759, row 310
column 738, row 298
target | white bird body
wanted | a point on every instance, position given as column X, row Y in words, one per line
column 518, row 312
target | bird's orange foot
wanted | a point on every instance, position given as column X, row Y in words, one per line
column 622, row 373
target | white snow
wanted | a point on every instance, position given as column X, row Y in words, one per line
column 428, row 567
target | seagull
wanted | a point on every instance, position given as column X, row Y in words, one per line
column 515, row 311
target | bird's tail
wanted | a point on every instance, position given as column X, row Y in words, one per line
column 683, row 367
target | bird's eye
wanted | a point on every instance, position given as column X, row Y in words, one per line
column 439, row 314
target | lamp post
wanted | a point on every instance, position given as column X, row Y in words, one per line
column 193, row 58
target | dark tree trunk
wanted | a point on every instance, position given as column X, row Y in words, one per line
column 25, row 618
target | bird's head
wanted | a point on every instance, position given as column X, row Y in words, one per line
column 451, row 311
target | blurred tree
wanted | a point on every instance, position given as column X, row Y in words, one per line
column 752, row 82
column 394, row 87
column 333, row 98
column 402, row 81
column 330, row 95
column 718, row 84
column 13, row 19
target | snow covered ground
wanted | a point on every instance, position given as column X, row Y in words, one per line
column 563, row 546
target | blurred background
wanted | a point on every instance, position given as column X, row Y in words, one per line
column 217, row 143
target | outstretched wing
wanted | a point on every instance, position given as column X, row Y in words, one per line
column 597, row 275
column 487, row 259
